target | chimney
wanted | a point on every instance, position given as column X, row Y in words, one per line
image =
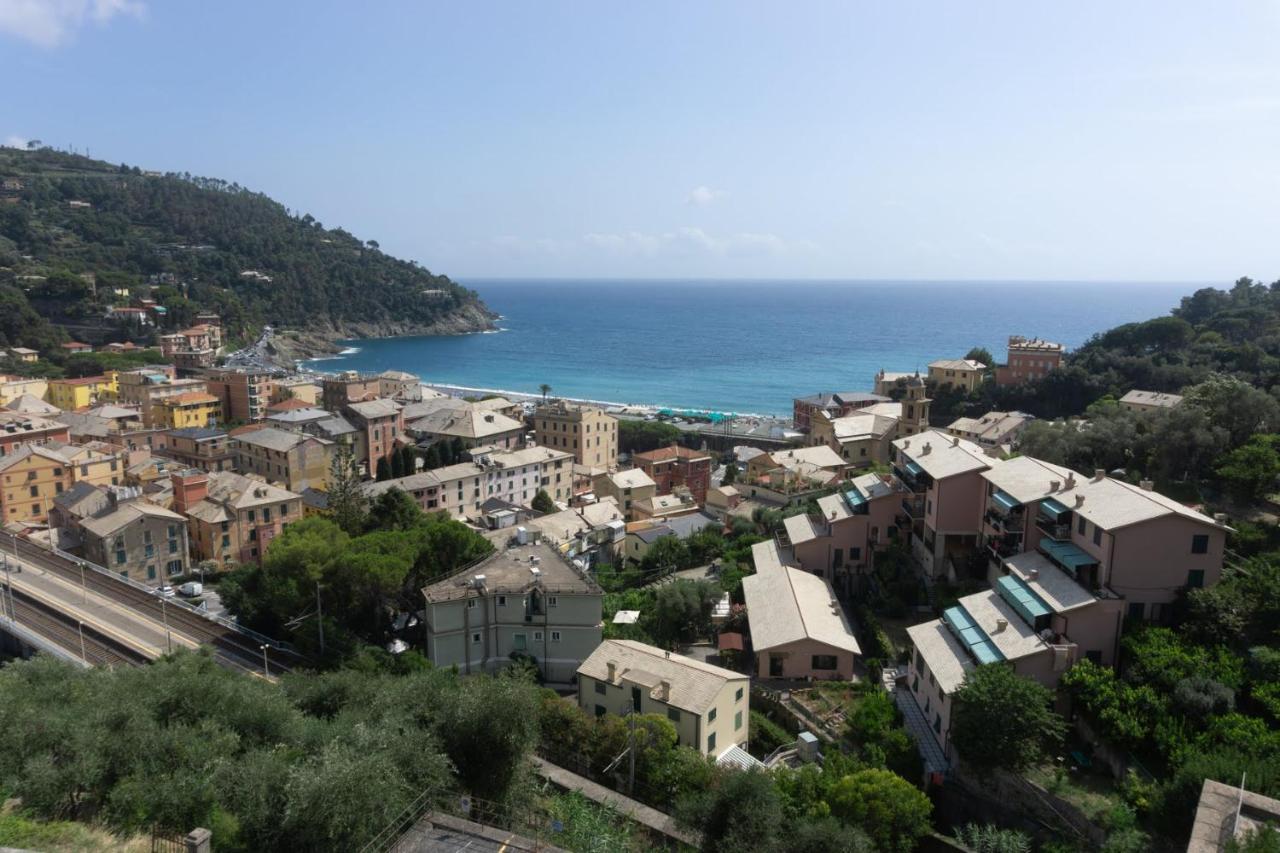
column 189, row 488
column 1071, row 481
column 1079, row 501
column 955, row 441
column 1220, row 518
column 1033, row 574
column 927, row 447
column 1053, row 485
column 1146, row 485
column 1001, row 624
column 664, row 690
column 613, row 671
column 1099, row 474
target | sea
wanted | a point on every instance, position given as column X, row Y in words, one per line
column 746, row 347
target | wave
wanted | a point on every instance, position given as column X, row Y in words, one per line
column 521, row 396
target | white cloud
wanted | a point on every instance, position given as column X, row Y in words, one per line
column 14, row 141
column 702, row 196
column 49, row 23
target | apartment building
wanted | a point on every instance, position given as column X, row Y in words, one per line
column 232, row 518
column 708, row 705
column 472, row 425
column 398, row 385
column 798, row 628
column 146, row 388
column 33, row 476
column 380, row 429
column 833, row 405
column 196, row 409
column 245, row 394
column 943, row 475
column 459, row 490
column 964, row 374
column 890, row 384
column 23, row 354
column 676, row 466
column 1149, row 401
column 206, row 448
column 526, row 600
column 993, row 431
column 338, row 392
column 516, row 476
column 137, row 539
column 294, row 460
column 28, row 405
column 300, row 388
column 18, row 430
column 588, row 433
column 81, row 393
column 1029, row 359
column 13, row 387
column 625, row 487
column 859, row 440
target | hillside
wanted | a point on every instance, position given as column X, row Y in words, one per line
column 204, row 244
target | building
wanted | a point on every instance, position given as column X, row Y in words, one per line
column 232, row 518
column 798, row 628
column 193, row 348
column 516, row 476
column 300, row 388
column 32, row 476
column 1226, row 813
column 76, row 348
column 338, row 392
column 18, row 430
column 858, row 440
column 722, row 501
column 708, row 705
column 24, row 354
column 459, row 490
column 206, row 448
column 1029, row 359
column 292, row 459
column 81, row 393
column 526, row 600
column 145, row 387
column 245, row 394
column 833, row 405
column 943, row 510
column 643, row 534
column 886, row 383
column 13, row 387
column 380, row 429
column 398, row 385
column 137, row 539
column 588, row 433
column 28, row 405
column 1149, row 401
column 193, row 409
column 992, row 431
column 675, row 466
column 963, row 374
column 471, row 425
column 840, row 541
column 625, row 487
column 664, row 506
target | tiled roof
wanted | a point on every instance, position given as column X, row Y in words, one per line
column 786, row 605
column 941, row 455
column 694, row 684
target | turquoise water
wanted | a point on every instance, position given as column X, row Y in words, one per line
column 745, row 346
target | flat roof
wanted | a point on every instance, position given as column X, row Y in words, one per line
column 940, row 455
column 510, row 571
column 1028, row 479
column 1054, row 586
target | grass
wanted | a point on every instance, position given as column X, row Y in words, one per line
column 18, row 830
column 1093, row 792
column 588, row 827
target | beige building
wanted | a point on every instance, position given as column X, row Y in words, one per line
column 588, row 433
column 1149, row 401
column 625, row 487
column 458, row 490
column 858, row 440
column 232, row 518
column 516, row 476
column 944, row 505
column 34, row 474
column 473, row 425
column 993, row 430
column 295, row 460
column 962, row 373
column 299, row 388
column 526, row 600
column 13, row 387
column 708, row 705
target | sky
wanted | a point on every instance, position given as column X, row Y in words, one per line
column 1134, row 141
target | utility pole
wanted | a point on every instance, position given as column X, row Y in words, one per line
column 8, row 582
column 631, row 752
column 266, row 668
column 319, row 619
column 83, row 657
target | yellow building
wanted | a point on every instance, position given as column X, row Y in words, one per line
column 192, row 409
column 963, row 373
column 13, row 387
column 72, row 394
column 36, row 474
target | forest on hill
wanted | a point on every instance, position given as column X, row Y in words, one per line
column 76, row 233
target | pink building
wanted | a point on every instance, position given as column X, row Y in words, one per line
column 943, row 474
column 1029, row 359
column 798, row 628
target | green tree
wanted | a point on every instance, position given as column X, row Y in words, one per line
column 682, row 611
column 397, row 466
column 743, row 812
column 989, row 838
column 542, row 502
column 730, row 475
column 888, row 808
column 394, row 509
column 1250, row 470
column 1002, row 720
column 666, row 555
column 544, row 389
column 981, row 354
column 348, row 503
column 409, row 459
column 384, row 470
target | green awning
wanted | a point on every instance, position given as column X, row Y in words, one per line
column 973, row 637
column 1005, row 501
column 854, row 499
column 913, row 469
column 1070, row 557
column 1052, row 509
column 1020, row 597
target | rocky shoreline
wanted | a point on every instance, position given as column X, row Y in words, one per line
column 289, row 346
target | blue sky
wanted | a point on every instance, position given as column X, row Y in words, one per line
column 1095, row 140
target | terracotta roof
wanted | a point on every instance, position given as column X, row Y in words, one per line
column 288, row 405
column 674, row 451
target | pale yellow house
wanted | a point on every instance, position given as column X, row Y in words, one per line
column 34, row 475
column 82, row 392
column 963, row 373
column 590, row 434
column 708, row 705
column 192, row 409
column 13, row 387
column 626, row 487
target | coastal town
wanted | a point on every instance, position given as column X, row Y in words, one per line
column 175, row 473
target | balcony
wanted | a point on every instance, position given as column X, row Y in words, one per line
column 1059, row 531
column 1003, row 547
column 913, row 506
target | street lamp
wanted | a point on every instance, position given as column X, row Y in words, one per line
column 266, row 669
column 84, row 588
column 83, row 657
column 164, row 615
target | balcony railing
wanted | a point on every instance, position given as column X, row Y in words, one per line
column 913, row 505
column 1054, row 530
column 1003, row 547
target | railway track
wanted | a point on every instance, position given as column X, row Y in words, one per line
column 228, row 644
column 98, row 649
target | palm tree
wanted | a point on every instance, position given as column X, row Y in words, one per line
column 545, row 389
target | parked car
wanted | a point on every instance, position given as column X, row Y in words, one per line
column 166, row 590
column 191, row 588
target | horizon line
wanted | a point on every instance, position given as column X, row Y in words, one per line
column 833, row 280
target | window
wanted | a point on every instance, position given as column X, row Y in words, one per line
column 471, row 604
column 915, row 684
column 1200, row 544
column 1195, row 578
column 635, row 699
column 1080, row 525
column 1097, row 535
column 120, row 557
column 823, row 662
column 537, row 636
column 673, row 714
column 737, row 721
column 35, row 491
column 555, row 636
column 599, row 710
column 737, row 697
column 173, row 546
column 475, row 638
column 552, row 601
column 1136, row 610
column 151, row 573
column 600, row 688
column 711, row 716
column 711, row 742
column 937, row 723
column 837, row 557
column 175, row 567
column 855, row 554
